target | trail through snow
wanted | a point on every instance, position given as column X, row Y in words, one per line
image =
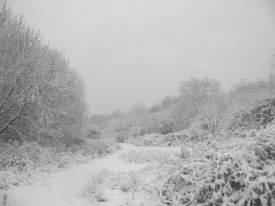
column 65, row 188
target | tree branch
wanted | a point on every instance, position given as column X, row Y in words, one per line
column 5, row 110
column 13, row 119
column 28, row 118
column 20, row 134
column 8, row 95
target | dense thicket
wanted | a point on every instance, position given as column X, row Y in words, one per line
column 41, row 98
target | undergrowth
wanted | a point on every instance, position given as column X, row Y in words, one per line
column 148, row 156
column 226, row 172
column 240, row 174
column 20, row 164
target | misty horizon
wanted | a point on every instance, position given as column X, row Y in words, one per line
column 138, row 52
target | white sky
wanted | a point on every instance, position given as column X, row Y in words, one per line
column 138, row 51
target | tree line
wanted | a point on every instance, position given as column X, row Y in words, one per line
column 201, row 103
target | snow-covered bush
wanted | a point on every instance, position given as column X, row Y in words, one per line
column 19, row 164
column 243, row 175
column 259, row 115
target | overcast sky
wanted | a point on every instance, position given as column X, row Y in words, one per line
column 138, row 51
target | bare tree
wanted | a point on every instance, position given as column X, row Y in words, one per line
column 194, row 95
column 39, row 92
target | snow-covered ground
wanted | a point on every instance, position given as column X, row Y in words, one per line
column 66, row 188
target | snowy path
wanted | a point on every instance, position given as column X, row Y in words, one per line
column 64, row 188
